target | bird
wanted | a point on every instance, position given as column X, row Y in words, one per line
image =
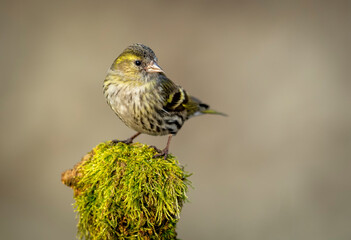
column 145, row 99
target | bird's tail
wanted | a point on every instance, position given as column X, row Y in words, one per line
column 205, row 109
column 197, row 108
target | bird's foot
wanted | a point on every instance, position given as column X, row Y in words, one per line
column 127, row 141
column 161, row 153
column 156, row 149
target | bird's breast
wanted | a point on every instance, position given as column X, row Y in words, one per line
column 141, row 108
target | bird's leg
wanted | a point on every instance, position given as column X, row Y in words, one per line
column 164, row 152
column 127, row 141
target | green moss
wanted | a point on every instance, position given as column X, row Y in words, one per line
column 124, row 193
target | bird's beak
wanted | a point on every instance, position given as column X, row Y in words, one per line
column 153, row 67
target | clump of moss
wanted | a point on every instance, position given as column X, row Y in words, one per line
column 122, row 192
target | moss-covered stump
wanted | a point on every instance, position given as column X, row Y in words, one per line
column 122, row 192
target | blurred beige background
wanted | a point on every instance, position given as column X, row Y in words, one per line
column 277, row 168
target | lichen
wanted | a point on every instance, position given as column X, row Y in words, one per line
column 122, row 192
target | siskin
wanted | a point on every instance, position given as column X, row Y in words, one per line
column 138, row 91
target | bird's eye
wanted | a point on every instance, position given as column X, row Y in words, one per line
column 137, row 62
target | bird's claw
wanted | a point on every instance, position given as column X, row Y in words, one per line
column 161, row 153
column 127, row 141
column 164, row 153
column 156, row 149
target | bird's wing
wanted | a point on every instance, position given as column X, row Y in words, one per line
column 178, row 100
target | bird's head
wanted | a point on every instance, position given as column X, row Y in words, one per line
column 137, row 62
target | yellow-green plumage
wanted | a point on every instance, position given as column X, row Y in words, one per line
column 143, row 97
